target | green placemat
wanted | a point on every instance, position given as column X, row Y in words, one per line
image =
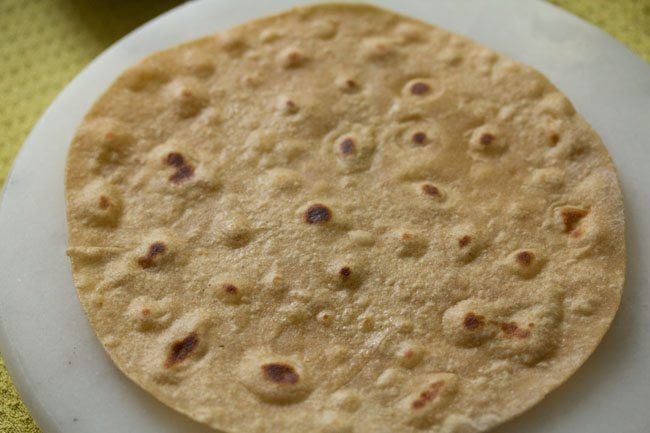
column 45, row 43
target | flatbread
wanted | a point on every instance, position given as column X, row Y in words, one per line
column 339, row 219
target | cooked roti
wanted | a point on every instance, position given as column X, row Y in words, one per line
column 339, row 219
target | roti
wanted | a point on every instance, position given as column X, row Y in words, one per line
column 339, row 219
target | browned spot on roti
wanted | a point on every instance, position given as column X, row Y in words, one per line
column 510, row 329
column 473, row 321
column 524, row 258
column 345, row 272
column 431, row 190
column 175, row 159
column 294, row 58
column 182, row 349
column 230, row 288
column 486, row 139
column 347, row 146
column 146, row 312
column 553, row 140
column 351, row 84
column 155, row 249
column 184, row 170
column 419, row 138
column 104, row 202
column 280, row 373
column 317, row 214
column 464, row 241
column 576, row 233
column 428, row 395
column 571, row 216
column 419, row 88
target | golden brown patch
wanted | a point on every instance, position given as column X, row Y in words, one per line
column 428, row 395
column 510, row 329
column 473, row 321
column 524, row 258
column 464, row 241
column 230, row 288
column 280, row 373
column 431, row 190
column 571, row 216
column 182, row 349
column 155, row 249
column 184, row 170
column 104, row 202
column 486, row 139
column 419, row 88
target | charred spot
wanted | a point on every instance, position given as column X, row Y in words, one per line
column 486, row 139
column 182, row 349
column 175, row 159
column 230, row 288
column 428, row 395
column 347, row 146
column 553, row 140
column 280, row 373
column 104, row 202
column 345, row 272
column 419, row 88
column 512, row 330
column 431, row 190
column 184, row 170
column 464, row 241
column 473, row 321
column 524, row 258
column 571, row 216
column 317, row 213
column 155, row 249
column 351, row 84
column 419, row 138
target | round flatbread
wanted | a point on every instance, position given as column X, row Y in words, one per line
column 339, row 219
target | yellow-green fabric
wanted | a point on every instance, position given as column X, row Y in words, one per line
column 45, row 43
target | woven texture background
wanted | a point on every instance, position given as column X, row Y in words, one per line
column 45, row 43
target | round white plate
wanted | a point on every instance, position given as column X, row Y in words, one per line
column 69, row 383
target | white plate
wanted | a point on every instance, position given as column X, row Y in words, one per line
column 62, row 372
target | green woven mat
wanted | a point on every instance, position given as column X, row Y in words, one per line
column 45, row 43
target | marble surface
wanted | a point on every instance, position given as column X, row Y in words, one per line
column 67, row 380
